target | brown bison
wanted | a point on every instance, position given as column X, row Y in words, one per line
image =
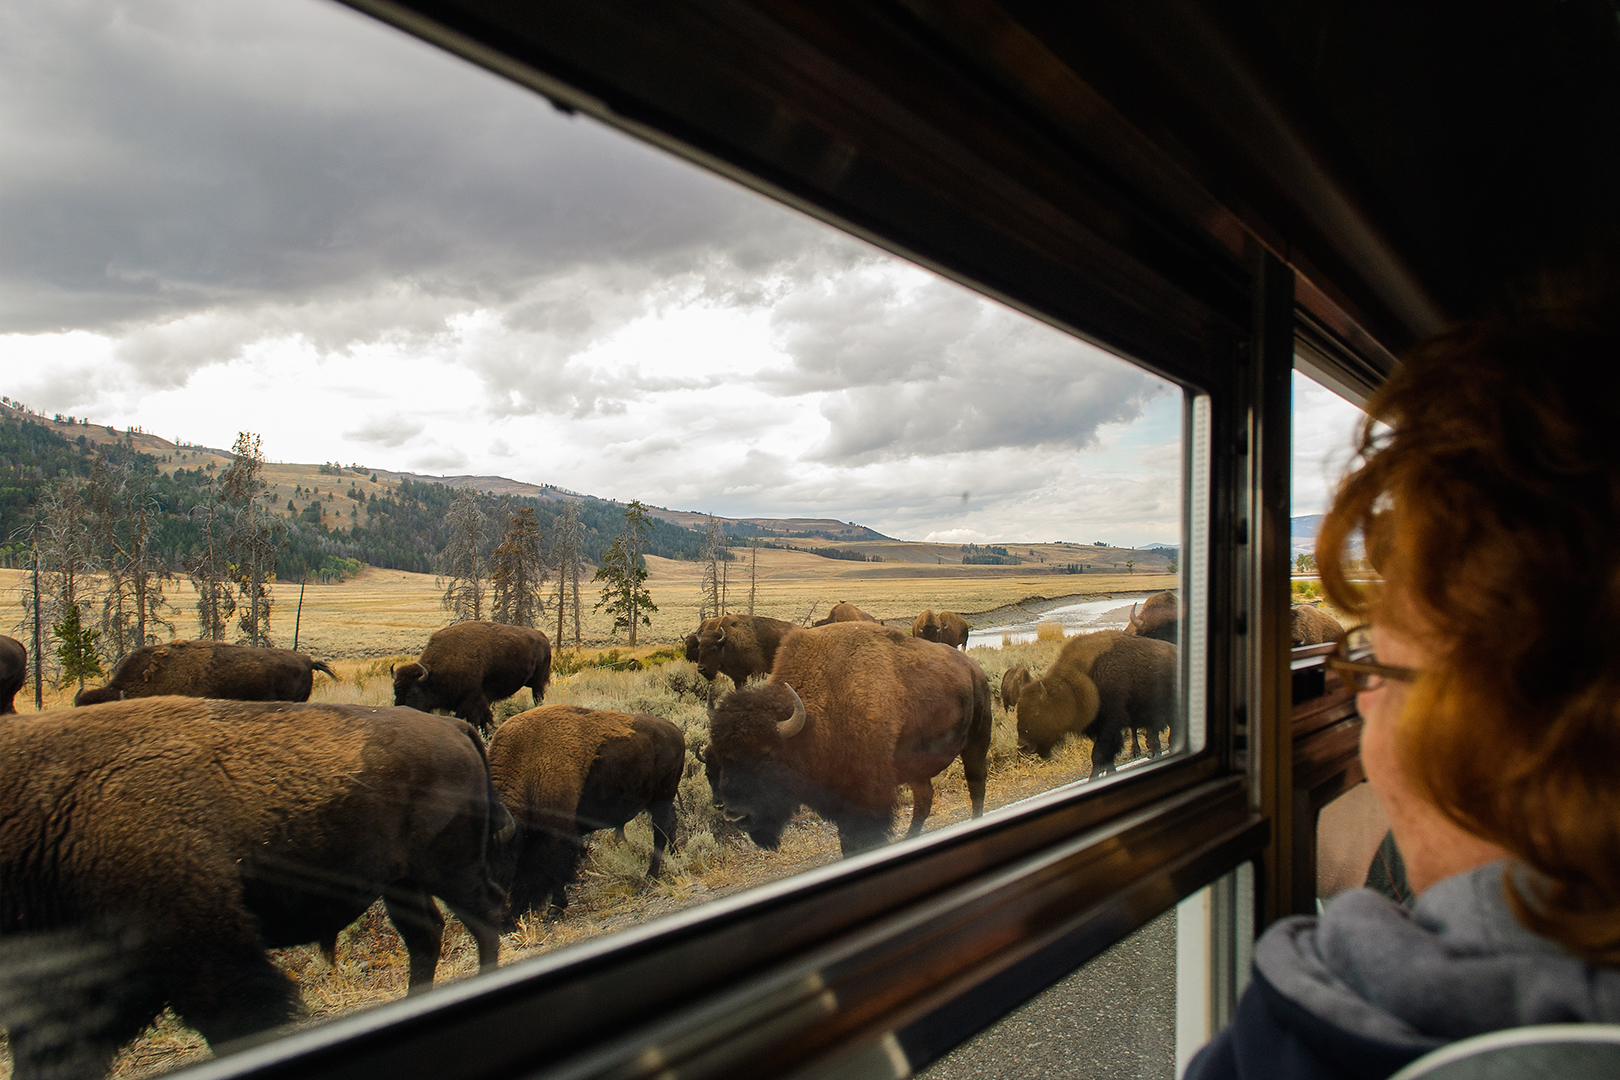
column 564, row 772
column 843, row 611
column 739, row 646
column 1101, row 685
column 1013, row 681
column 1159, row 618
column 467, row 665
column 945, row 627
column 1313, row 626
column 153, row 850
column 209, row 669
column 13, row 672
column 849, row 713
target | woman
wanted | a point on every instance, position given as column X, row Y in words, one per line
column 1491, row 505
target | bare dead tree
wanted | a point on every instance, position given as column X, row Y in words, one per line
column 210, row 573
column 570, row 565
column 461, row 564
column 124, row 512
column 753, row 572
column 252, row 540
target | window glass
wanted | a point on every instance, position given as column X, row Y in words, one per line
column 317, row 339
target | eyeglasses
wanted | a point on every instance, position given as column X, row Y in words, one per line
column 1365, row 672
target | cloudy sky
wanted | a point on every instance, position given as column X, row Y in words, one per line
column 286, row 218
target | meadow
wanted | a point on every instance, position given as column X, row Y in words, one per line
column 364, row 625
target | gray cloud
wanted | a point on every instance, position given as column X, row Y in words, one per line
column 176, row 158
column 389, row 431
column 926, row 368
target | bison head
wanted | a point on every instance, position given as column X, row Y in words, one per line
column 926, row 626
column 692, row 648
column 411, row 686
column 1053, row 707
column 749, row 736
column 98, row 695
column 711, row 651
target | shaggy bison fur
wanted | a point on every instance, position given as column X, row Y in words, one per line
column 152, row 850
column 564, row 772
column 849, row 713
column 844, row 611
column 13, row 672
column 1100, row 686
column 1313, row 626
column 1013, row 681
column 739, row 646
column 1159, row 617
column 945, row 627
column 209, row 669
column 468, row 665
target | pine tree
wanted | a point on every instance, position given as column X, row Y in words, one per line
column 624, row 574
column 124, row 514
column 461, row 564
column 76, row 651
column 518, row 573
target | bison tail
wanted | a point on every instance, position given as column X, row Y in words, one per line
column 321, row 665
column 544, row 680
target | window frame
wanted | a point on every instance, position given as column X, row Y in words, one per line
column 910, row 950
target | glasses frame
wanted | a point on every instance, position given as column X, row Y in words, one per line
column 1357, row 672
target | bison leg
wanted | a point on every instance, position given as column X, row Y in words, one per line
column 922, row 804
column 476, row 711
column 228, row 988
column 414, row 914
column 663, row 827
column 328, row 947
column 862, row 831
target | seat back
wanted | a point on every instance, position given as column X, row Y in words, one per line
column 1527, row 1053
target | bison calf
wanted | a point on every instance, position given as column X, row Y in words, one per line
column 209, row 669
column 152, row 850
column 468, row 665
column 850, row 712
column 1101, row 685
column 564, row 772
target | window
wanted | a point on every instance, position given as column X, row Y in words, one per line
column 440, row 305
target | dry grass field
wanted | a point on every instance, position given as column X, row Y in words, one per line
column 708, row 861
column 391, row 612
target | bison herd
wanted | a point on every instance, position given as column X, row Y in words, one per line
column 195, row 812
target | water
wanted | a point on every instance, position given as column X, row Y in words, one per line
column 1111, row 613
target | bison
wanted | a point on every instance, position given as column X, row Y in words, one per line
column 1313, row 626
column 1013, row 681
column 564, row 772
column 739, row 646
column 209, row 669
column 849, row 713
column 844, row 611
column 13, row 672
column 1159, row 618
column 467, row 665
column 945, row 627
column 1101, row 685
column 152, row 851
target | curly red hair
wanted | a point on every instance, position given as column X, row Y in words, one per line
column 1488, row 494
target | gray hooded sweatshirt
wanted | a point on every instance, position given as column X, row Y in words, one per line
column 1369, row 986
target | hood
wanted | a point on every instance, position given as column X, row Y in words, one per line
column 1457, row 964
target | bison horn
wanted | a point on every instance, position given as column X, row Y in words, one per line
column 795, row 723
column 721, row 640
column 391, row 668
